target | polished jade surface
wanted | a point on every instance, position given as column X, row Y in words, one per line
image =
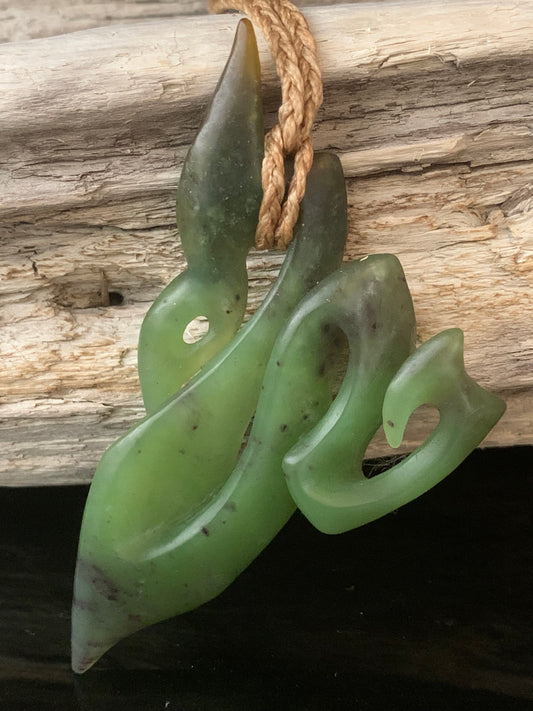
column 325, row 469
column 218, row 202
column 160, row 475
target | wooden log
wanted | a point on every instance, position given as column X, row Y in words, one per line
column 25, row 19
column 429, row 105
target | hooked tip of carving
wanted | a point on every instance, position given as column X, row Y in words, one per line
column 393, row 432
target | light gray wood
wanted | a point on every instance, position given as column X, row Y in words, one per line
column 27, row 19
column 429, row 105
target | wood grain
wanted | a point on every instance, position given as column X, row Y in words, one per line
column 429, row 105
column 25, row 19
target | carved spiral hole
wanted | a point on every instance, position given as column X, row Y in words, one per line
column 196, row 329
column 421, row 424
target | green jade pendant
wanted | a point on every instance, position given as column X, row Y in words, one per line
column 162, row 472
column 160, row 475
column 140, row 563
column 179, row 507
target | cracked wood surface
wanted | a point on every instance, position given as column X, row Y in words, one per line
column 430, row 107
column 26, row 19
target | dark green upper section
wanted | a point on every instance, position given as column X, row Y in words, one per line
column 320, row 233
column 220, row 187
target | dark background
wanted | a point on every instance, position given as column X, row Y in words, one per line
column 429, row 608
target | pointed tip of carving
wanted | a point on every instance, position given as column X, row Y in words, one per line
column 95, row 630
column 221, row 175
column 86, row 650
column 245, row 35
column 89, row 638
column 83, row 658
column 102, row 615
column 239, row 86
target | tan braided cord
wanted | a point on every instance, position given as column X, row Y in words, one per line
column 293, row 48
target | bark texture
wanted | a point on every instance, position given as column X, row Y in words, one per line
column 429, row 105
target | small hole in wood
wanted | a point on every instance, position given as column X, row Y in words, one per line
column 115, row 298
column 196, row 329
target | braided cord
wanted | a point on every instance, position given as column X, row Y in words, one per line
column 293, row 48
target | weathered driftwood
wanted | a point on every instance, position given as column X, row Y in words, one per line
column 26, row 19
column 429, row 105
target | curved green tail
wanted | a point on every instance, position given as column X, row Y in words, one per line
column 338, row 497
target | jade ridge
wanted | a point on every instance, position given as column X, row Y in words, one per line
column 176, row 510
